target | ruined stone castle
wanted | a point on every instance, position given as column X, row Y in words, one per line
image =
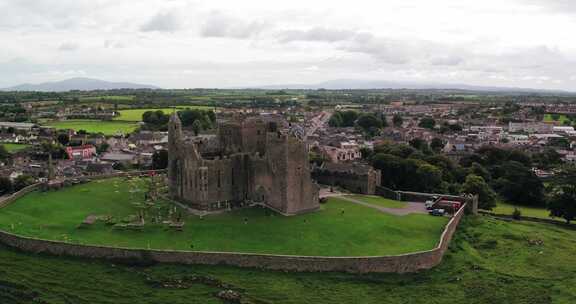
column 248, row 161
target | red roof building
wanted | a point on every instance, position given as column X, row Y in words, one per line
column 81, row 152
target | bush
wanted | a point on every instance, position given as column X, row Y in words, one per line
column 517, row 214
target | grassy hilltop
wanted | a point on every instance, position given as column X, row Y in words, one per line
column 489, row 261
column 341, row 228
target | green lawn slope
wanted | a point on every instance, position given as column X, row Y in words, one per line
column 489, row 261
column 340, row 228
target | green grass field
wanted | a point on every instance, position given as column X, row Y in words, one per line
column 136, row 114
column 379, row 201
column 562, row 118
column 489, row 261
column 12, row 148
column 508, row 209
column 95, row 126
column 106, row 98
column 360, row 231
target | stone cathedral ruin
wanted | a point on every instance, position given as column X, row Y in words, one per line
column 249, row 161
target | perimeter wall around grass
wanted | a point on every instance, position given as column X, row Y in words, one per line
column 4, row 201
column 412, row 262
column 471, row 201
column 510, row 217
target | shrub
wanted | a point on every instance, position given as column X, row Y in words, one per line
column 517, row 214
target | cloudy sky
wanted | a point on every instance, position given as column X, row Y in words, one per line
column 226, row 43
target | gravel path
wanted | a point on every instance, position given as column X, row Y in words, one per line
column 410, row 208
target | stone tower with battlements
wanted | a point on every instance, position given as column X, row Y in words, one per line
column 256, row 163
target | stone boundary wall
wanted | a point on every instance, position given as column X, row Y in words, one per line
column 405, row 263
column 509, row 217
column 408, row 196
column 6, row 200
column 119, row 174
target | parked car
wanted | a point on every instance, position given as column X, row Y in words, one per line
column 437, row 212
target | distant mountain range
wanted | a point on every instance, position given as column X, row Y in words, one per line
column 82, row 84
column 342, row 84
column 89, row 84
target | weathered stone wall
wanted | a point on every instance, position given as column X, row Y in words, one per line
column 509, row 217
column 6, row 200
column 422, row 197
column 399, row 264
column 357, row 183
column 349, row 181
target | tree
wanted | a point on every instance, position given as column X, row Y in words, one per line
column 397, row 120
column 63, row 139
column 160, row 160
column 420, row 144
column 477, row 169
column 518, row 184
column 429, row 177
column 366, row 153
column 436, row 144
column 335, row 120
column 563, row 202
column 22, row 182
column 391, row 167
column 197, row 127
column 369, row 121
column 102, row 148
column 316, row 158
column 155, row 118
column 5, row 185
column 4, row 154
column 493, row 155
column 475, row 184
column 349, row 118
column 521, row 157
column 427, row 122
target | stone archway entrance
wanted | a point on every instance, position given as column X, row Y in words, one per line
column 260, row 195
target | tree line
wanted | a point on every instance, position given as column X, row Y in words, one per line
column 196, row 119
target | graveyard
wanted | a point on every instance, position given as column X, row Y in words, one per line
column 124, row 212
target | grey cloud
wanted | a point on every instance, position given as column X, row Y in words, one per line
column 447, row 60
column 163, row 22
column 563, row 6
column 317, row 34
column 40, row 14
column 382, row 49
column 113, row 44
column 68, row 46
column 224, row 26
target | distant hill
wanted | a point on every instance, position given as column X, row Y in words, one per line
column 82, row 84
column 342, row 84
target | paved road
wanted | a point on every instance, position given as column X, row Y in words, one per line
column 317, row 122
column 410, row 208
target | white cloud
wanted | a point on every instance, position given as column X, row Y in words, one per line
column 68, row 46
column 520, row 43
column 312, row 68
column 447, row 60
column 225, row 26
column 163, row 22
column 114, row 44
column 317, row 34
